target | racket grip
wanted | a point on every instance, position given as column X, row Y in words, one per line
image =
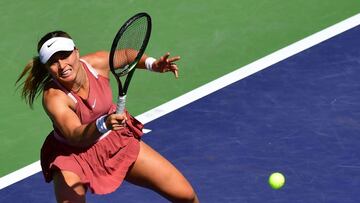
column 120, row 106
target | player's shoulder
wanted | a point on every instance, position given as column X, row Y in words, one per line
column 98, row 60
column 56, row 100
column 52, row 92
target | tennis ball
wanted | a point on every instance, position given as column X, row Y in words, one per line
column 276, row 180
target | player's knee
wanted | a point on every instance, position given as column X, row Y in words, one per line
column 68, row 188
column 187, row 195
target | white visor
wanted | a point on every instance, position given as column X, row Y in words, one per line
column 54, row 45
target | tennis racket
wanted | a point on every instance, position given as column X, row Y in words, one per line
column 126, row 50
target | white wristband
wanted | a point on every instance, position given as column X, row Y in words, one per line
column 100, row 124
column 149, row 62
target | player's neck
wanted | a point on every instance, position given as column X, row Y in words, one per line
column 80, row 82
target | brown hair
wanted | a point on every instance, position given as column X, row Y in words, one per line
column 37, row 74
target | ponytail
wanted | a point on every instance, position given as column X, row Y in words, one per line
column 37, row 77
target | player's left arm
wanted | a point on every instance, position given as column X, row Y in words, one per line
column 100, row 61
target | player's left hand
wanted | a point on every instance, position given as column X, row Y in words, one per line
column 166, row 64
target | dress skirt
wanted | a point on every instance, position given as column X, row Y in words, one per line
column 101, row 167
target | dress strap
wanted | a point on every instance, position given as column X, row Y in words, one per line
column 90, row 68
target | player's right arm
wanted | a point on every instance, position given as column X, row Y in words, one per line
column 59, row 108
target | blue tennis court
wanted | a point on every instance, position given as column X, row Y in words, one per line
column 300, row 116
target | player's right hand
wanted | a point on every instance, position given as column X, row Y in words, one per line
column 116, row 121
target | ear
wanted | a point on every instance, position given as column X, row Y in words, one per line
column 77, row 52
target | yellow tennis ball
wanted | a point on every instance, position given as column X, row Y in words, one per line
column 276, row 180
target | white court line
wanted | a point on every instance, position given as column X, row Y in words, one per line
column 214, row 85
column 146, row 130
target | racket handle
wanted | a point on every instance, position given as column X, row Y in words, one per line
column 120, row 107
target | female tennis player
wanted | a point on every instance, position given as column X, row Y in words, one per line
column 92, row 147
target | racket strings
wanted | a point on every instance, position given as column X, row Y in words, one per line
column 129, row 46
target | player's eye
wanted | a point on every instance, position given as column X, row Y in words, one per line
column 61, row 55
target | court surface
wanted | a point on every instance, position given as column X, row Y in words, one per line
column 300, row 116
column 213, row 38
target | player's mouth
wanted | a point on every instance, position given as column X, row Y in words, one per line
column 65, row 73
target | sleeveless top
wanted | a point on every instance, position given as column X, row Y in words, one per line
column 103, row 165
column 98, row 103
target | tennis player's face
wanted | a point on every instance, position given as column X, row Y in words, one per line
column 64, row 65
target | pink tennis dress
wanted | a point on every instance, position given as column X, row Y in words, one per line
column 102, row 166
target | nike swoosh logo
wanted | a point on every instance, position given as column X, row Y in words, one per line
column 93, row 106
column 49, row 45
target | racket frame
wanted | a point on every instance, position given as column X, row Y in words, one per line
column 129, row 71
